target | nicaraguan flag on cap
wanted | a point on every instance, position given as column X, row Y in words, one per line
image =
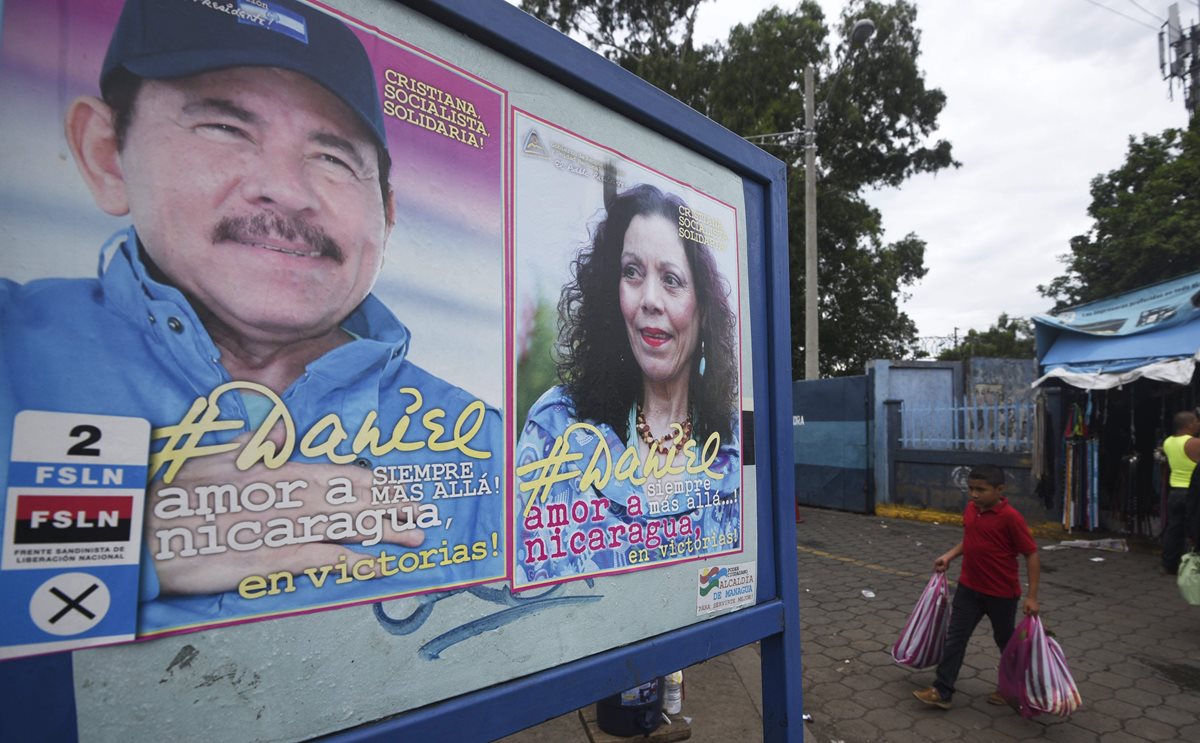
column 273, row 17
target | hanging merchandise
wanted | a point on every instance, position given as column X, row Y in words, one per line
column 1096, row 443
column 1037, row 465
column 1069, row 466
column 1089, row 490
column 1069, row 486
column 1078, row 481
column 1129, row 468
column 1138, row 503
column 1043, row 474
column 1081, row 462
column 1094, row 451
column 1093, row 469
column 1081, row 480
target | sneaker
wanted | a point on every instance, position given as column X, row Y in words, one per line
column 995, row 698
column 932, row 697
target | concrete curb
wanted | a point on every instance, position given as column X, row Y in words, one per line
column 1043, row 530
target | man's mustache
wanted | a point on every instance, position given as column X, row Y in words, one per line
column 269, row 224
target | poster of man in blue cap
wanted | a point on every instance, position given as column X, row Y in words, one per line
column 295, row 335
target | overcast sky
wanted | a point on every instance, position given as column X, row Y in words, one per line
column 1042, row 97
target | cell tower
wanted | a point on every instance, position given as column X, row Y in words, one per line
column 1179, row 58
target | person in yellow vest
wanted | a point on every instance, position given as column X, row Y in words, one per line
column 1183, row 512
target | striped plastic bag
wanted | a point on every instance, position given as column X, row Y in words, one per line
column 923, row 639
column 1034, row 677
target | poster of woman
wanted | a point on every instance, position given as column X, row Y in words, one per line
column 628, row 369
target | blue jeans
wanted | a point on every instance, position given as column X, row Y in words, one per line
column 1182, row 513
column 968, row 608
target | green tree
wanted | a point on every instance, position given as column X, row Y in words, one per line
column 654, row 39
column 1008, row 338
column 875, row 124
column 1146, row 222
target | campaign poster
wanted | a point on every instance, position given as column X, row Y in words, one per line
column 627, row 367
column 268, row 240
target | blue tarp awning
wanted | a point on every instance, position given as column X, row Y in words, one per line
column 1082, row 349
column 1153, row 333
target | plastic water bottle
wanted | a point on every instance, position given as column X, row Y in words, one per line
column 673, row 693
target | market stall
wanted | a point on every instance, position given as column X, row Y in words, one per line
column 1114, row 371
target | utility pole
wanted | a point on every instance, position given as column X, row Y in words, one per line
column 863, row 29
column 812, row 354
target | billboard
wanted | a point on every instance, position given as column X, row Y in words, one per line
column 294, row 300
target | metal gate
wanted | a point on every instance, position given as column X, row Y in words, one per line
column 831, row 434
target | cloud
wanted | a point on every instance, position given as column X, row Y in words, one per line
column 1042, row 97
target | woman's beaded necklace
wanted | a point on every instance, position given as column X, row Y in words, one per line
column 672, row 439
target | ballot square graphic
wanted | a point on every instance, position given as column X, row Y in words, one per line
column 71, row 543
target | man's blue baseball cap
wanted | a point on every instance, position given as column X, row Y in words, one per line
column 164, row 39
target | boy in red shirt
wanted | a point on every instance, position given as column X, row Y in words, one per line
column 994, row 533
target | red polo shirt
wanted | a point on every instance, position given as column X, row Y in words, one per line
column 992, row 539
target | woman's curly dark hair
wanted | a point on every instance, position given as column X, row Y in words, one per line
column 597, row 366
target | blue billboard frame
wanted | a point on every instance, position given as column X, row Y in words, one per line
column 39, row 700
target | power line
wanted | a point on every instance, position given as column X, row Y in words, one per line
column 1147, row 12
column 1123, row 15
